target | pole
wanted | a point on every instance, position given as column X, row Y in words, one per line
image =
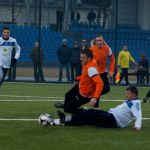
column 65, row 23
column 116, row 28
column 116, row 37
column 13, row 10
column 39, row 27
column 27, row 12
column 35, row 12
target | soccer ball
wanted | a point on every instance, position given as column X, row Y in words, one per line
column 45, row 119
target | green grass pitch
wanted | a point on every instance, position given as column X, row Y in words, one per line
column 28, row 101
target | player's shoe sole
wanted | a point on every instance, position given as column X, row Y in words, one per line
column 59, row 105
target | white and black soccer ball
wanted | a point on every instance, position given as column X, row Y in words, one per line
column 45, row 119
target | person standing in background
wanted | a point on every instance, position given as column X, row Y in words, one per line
column 124, row 59
column 75, row 15
column 143, row 70
column 84, row 45
column 59, row 19
column 64, row 55
column 37, row 62
column 75, row 61
column 91, row 17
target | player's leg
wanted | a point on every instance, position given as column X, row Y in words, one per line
column 68, row 96
column 126, row 76
column 14, row 70
column 106, row 87
column 122, row 75
column 73, row 105
column 3, row 72
column 92, row 117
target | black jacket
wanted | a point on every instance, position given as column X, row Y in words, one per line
column 35, row 55
column 75, row 55
column 91, row 16
column 64, row 54
column 59, row 15
column 144, row 63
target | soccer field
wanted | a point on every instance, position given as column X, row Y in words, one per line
column 27, row 101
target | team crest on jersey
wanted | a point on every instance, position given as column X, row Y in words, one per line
column 5, row 52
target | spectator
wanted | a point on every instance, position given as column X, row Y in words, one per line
column 83, row 47
column 12, row 70
column 59, row 19
column 91, row 17
column 75, row 15
column 64, row 55
column 37, row 62
column 143, row 70
column 83, row 44
column 75, row 61
column 124, row 59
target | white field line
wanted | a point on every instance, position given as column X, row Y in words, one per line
column 27, row 96
column 7, row 119
column 44, row 98
column 51, row 100
column 28, row 120
column 31, row 100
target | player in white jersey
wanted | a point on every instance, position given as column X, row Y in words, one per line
column 118, row 117
column 7, row 44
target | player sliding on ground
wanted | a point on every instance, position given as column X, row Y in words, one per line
column 89, row 88
column 118, row 117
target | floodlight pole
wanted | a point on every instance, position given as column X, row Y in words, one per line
column 116, row 28
column 13, row 10
column 39, row 27
column 66, row 14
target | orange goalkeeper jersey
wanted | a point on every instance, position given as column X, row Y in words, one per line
column 101, row 55
column 90, row 84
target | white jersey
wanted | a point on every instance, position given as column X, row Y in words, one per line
column 125, row 113
column 6, row 47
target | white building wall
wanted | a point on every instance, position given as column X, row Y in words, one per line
column 143, row 14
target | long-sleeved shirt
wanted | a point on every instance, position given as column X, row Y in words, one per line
column 90, row 83
column 126, row 112
column 124, row 59
column 6, row 48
